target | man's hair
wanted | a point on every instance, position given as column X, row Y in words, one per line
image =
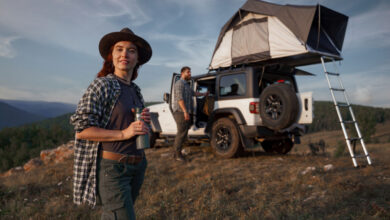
column 184, row 68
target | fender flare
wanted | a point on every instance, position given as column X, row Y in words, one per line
column 238, row 117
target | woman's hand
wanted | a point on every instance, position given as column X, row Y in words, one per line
column 145, row 115
column 135, row 128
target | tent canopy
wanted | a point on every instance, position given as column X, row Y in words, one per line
column 262, row 32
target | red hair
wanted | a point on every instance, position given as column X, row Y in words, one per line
column 108, row 67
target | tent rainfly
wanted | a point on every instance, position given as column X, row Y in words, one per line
column 262, row 32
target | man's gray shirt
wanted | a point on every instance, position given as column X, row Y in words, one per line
column 183, row 92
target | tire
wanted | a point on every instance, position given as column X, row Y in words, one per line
column 267, row 146
column 225, row 138
column 278, row 106
column 152, row 139
column 278, row 146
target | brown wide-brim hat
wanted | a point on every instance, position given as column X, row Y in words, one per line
column 108, row 40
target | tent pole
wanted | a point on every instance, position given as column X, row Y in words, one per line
column 262, row 74
column 319, row 25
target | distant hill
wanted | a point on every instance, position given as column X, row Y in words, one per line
column 44, row 109
column 11, row 116
column 326, row 119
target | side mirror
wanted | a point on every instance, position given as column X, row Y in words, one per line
column 166, row 97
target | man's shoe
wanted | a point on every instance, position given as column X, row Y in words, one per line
column 180, row 157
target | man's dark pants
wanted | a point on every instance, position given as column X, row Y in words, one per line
column 182, row 130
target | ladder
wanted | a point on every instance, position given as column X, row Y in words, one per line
column 345, row 104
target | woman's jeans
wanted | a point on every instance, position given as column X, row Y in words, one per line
column 118, row 187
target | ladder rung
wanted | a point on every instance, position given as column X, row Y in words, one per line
column 348, row 122
column 341, row 104
column 333, row 74
column 354, row 139
column 337, row 89
column 360, row 156
column 327, row 58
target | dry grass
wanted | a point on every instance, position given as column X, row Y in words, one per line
column 255, row 186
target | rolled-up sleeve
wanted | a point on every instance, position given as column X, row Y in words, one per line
column 90, row 108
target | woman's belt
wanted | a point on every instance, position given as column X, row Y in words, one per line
column 122, row 158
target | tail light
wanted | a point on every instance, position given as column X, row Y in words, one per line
column 254, row 107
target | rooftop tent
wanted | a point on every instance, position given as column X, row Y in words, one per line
column 262, row 32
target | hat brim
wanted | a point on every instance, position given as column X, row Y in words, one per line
column 144, row 49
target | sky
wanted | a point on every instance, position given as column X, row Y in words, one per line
column 49, row 48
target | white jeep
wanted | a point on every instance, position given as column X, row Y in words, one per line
column 246, row 106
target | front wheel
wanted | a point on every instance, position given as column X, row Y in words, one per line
column 278, row 146
column 225, row 138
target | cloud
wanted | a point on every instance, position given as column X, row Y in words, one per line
column 202, row 6
column 68, row 95
column 117, row 8
column 296, row 2
column 75, row 25
column 368, row 87
column 370, row 29
column 155, row 91
column 6, row 49
column 194, row 51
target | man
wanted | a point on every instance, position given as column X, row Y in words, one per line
column 182, row 110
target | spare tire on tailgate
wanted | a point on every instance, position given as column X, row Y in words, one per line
column 278, row 106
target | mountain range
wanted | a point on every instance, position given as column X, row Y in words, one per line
column 17, row 112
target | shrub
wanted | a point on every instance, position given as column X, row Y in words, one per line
column 340, row 149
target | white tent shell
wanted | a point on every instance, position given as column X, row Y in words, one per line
column 266, row 32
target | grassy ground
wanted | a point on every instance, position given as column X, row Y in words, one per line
column 255, row 186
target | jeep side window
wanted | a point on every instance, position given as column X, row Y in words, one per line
column 232, row 85
column 177, row 77
column 202, row 89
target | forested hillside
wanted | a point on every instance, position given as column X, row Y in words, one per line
column 11, row 116
column 18, row 145
column 325, row 118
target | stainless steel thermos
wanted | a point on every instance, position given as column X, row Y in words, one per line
column 142, row 140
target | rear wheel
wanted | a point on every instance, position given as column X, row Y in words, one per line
column 278, row 146
column 267, row 146
column 152, row 139
column 225, row 138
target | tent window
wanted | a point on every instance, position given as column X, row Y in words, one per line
column 250, row 38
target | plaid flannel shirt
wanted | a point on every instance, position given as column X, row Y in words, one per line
column 94, row 110
column 183, row 92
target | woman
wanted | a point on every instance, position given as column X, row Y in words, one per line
column 107, row 162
